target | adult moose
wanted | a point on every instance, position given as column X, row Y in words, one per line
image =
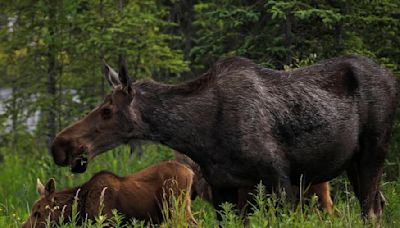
column 243, row 123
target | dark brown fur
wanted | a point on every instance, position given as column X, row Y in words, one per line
column 202, row 188
column 137, row 196
column 242, row 123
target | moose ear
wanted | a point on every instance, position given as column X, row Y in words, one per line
column 110, row 75
column 39, row 187
column 50, row 189
column 123, row 75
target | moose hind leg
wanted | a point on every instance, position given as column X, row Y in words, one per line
column 365, row 184
column 365, row 173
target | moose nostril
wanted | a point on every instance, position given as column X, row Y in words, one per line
column 79, row 165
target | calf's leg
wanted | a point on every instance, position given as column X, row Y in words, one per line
column 324, row 197
column 189, row 216
column 188, row 187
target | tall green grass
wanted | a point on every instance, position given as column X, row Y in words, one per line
column 19, row 171
column 18, row 175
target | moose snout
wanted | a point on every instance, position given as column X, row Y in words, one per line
column 61, row 151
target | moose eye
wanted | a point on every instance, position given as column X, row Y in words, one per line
column 106, row 113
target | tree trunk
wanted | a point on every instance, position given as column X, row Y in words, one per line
column 121, row 56
column 339, row 26
column 102, row 30
column 187, row 31
column 14, row 114
column 338, row 38
column 183, row 14
column 51, row 72
column 59, row 93
column 288, row 38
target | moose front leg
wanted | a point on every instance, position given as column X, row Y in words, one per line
column 222, row 195
column 280, row 184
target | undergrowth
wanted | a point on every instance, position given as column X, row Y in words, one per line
column 19, row 173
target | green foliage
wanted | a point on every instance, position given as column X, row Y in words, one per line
column 230, row 217
column 173, row 209
column 274, row 33
column 17, row 194
column 76, row 36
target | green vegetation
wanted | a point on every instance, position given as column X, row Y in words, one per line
column 51, row 54
column 18, row 181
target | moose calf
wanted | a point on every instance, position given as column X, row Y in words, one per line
column 137, row 196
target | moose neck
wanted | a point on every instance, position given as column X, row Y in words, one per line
column 65, row 199
column 181, row 116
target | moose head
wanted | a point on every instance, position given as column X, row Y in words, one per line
column 112, row 123
column 46, row 207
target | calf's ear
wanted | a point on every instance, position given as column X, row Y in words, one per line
column 50, row 189
column 39, row 187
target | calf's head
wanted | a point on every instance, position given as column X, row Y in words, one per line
column 47, row 209
column 110, row 124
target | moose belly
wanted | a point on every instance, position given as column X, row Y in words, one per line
column 227, row 174
column 324, row 159
column 315, row 160
column 318, row 169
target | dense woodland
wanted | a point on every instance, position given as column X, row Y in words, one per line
column 52, row 51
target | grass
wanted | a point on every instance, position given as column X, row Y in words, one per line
column 18, row 173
